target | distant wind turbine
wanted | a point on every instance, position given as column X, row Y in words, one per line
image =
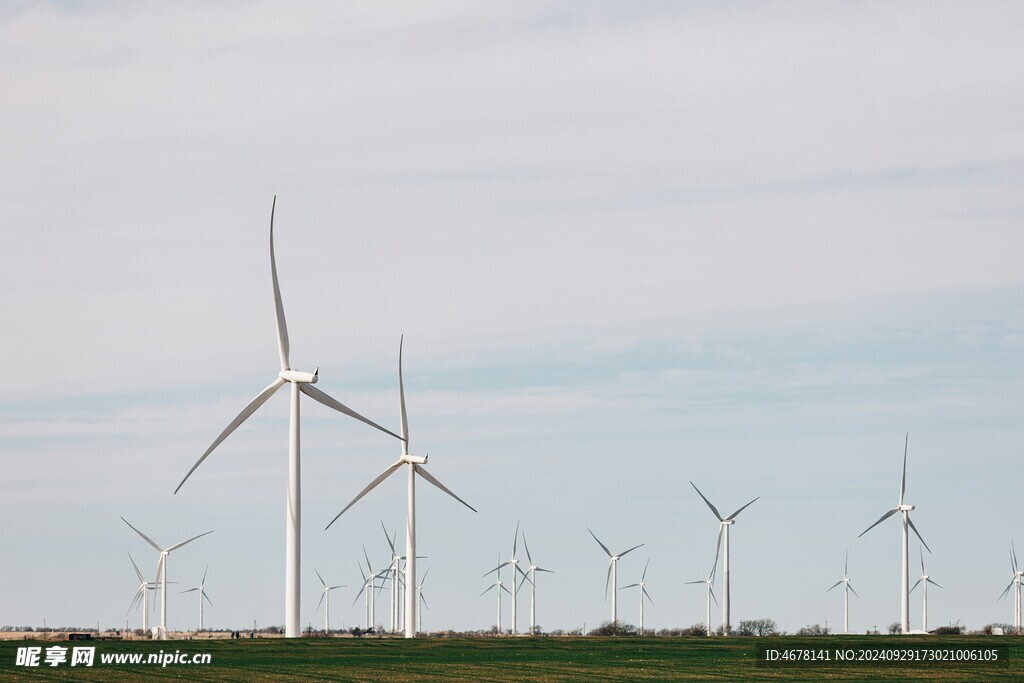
column 710, row 583
column 846, row 593
column 325, row 595
column 161, row 570
column 423, row 600
column 613, row 563
column 501, row 587
column 513, row 562
column 643, row 594
column 904, row 509
column 300, row 382
column 1015, row 584
column 533, row 569
column 415, row 466
column 724, row 524
column 142, row 594
column 202, row 595
column 924, row 580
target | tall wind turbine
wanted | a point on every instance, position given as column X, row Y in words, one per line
column 710, row 583
column 202, row 595
column 300, row 382
column 1014, row 583
column 161, row 569
column 643, row 594
column 513, row 562
column 904, row 509
column 326, row 594
column 846, row 593
column 924, row 580
column 414, row 465
column 501, row 587
column 724, row 525
column 142, row 594
column 533, row 569
column 613, row 564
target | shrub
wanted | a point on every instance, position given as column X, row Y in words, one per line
column 614, row 628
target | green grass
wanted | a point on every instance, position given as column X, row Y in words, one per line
column 518, row 659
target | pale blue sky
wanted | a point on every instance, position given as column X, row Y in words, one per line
column 749, row 246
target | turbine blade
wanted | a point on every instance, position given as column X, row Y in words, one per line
column 515, row 542
column 208, row 598
column 137, row 572
column 424, row 599
column 915, row 585
column 689, row 582
column 603, row 546
column 322, row 594
column 401, row 395
column 369, row 567
column 834, row 585
column 322, row 583
column 880, row 520
column 1013, row 554
column 429, row 477
column 316, row 394
column 527, row 548
column 520, row 570
column 903, row 481
column 851, row 588
column 190, row 590
column 712, row 591
column 718, row 550
column 369, row 487
column 632, row 585
column 922, row 556
column 239, row 419
column 911, row 522
column 282, row 326
column 148, row 539
column 733, row 515
column 538, row 569
column 505, row 588
column 644, row 575
column 713, row 508
column 846, row 565
column 648, row 595
column 934, row 583
column 489, row 589
column 203, row 582
column 498, row 568
column 1003, row 594
column 175, row 547
column 607, row 580
column 632, row 549
column 424, row 579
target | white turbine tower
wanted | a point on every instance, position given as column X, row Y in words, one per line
column 710, row 583
column 924, row 580
column 501, row 587
column 532, row 569
column 414, row 465
column 643, row 594
column 904, row 509
column 161, row 570
column 325, row 595
column 300, row 382
column 613, row 564
column 1015, row 584
column 846, row 593
column 202, row 595
column 514, row 563
column 724, row 524
column 142, row 594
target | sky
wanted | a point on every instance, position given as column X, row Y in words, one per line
column 747, row 245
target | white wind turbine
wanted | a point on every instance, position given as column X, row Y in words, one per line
column 643, row 594
column 142, row 594
column 501, row 587
column 613, row 564
column 369, row 588
column 1015, row 584
column 514, row 563
column 414, row 465
column 325, row 595
column 924, row 580
column 161, row 570
column 300, row 382
column 202, row 595
column 846, row 593
column 710, row 583
column 904, row 509
column 532, row 569
column 724, row 525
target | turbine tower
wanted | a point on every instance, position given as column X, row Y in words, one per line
column 925, row 580
column 724, row 525
column 532, row 569
column 613, row 564
column 1015, row 584
column 904, row 509
column 161, row 570
column 643, row 594
column 414, row 467
column 202, row 595
column 300, row 382
column 710, row 582
column 501, row 587
column 514, row 563
column 326, row 594
column 846, row 593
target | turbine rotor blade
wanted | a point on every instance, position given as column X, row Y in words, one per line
column 282, row 326
column 733, row 515
column 373, row 484
column 207, row 598
column 322, row 594
column 851, row 588
column 648, row 595
column 632, row 549
column 713, row 508
column 607, row 580
column 175, row 547
column 489, row 589
column 322, row 583
column 903, row 481
column 505, row 588
column 644, row 575
column 712, row 591
column 137, row 572
column 401, row 395
column 203, row 582
column 190, row 590
column 915, row 585
column 934, row 583
column 317, row 395
column 1003, row 594
column 880, row 520
column 515, row 542
column 239, row 419
column 603, row 546
column 834, row 585
column 147, row 538
column 527, row 548
column 429, row 477
column 911, row 522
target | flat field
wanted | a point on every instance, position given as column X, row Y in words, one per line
column 534, row 659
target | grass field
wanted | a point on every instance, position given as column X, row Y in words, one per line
column 521, row 659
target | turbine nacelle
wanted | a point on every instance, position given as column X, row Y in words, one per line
column 414, row 459
column 727, row 522
column 905, row 507
column 299, row 377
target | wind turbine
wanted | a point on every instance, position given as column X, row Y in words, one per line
column 161, row 570
column 710, row 582
column 326, row 594
column 643, row 594
column 142, row 594
column 514, row 563
column 925, row 580
column 300, row 382
column 202, row 594
column 533, row 569
column 415, row 466
column 613, row 563
column 724, row 525
column 846, row 593
column 501, row 587
column 904, row 509
column 1014, row 583
column 419, row 614
column 370, row 589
